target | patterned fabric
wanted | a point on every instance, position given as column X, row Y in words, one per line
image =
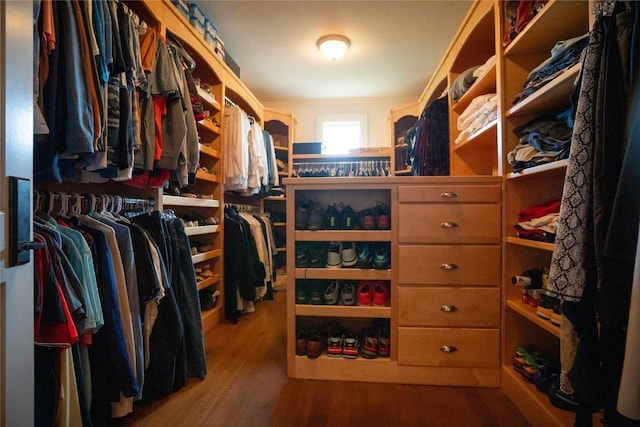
column 570, row 262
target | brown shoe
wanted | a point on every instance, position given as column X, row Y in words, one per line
column 301, row 343
column 314, row 345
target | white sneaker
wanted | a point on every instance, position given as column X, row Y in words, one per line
column 348, row 250
column 334, row 258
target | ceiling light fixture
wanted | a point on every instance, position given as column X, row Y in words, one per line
column 333, row 46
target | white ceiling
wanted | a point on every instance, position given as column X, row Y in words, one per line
column 395, row 45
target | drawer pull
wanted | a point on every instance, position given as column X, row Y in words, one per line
column 448, row 348
column 448, row 308
column 448, row 195
column 447, row 266
column 448, row 224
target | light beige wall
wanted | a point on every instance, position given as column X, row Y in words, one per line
column 376, row 109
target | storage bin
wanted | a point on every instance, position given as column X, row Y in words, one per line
column 196, row 14
column 232, row 64
column 210, row 28
column 182, row 6
column 307, row 148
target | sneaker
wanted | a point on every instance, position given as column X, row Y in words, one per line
column 316, row 217
column 384, row 338
column 545, row 307
column 348, row 218
column 363, row 255
column 302, row 255
column 301, row 297
column 332, row 218
column 334, row 257
column 364, row 292
column 543, row 378
column 380, row 294
column 348, row 294
column 369, row 347
column 316, row 298
column 381, row 256
column 367, row 219
column 383, row 219
column 350, row 346
column 559, row 398
column 348, row 251
column 317, row 255
column 332, row 293
column 302, row 214
column 334, row 343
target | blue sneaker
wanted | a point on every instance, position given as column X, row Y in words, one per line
column 381, row 258
column 363, row 254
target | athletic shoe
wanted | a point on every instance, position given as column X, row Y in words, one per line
column 381, row 256
column 350, row 346
column 316, row 217
column 545, row 307
column 316, row 298
column 383, row 329
column 363, row 255
column 317, row 255
column 348, row 218
column 334, row 258
column 302, row 214
column 383, row 219
column 348, row 294
column 380, row 294
column 332, row 293
column 365, row 290
column 559, row 398
column 369, row 347
column 302, row 255
column 332, row 218
column 334, row 344
column 348, row 250
column 367, row 219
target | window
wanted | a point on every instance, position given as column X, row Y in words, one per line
column 340, row 133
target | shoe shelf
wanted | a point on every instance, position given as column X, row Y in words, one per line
column 201, row 229
column 529, row 313
column 211, row 152
column 342, row 273
column 208, row 281
column 209, row 177
column 208, row 100
column 206, row 255
column 343, row 235
column 209, row 126
column 190, row 201
column 343, row 311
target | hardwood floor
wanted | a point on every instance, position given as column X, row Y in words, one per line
column 247, row 385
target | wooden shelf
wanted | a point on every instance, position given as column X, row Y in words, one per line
column 483, row 139
column 337, row 157
column 201, row 229
column 206, row 256
column 210, row 126
column 208, row 281
column 407, row 171
column 282, row 150
column 531, row 243
column 343, row 235
column 208, row 100
column 275, row 198
column 557, row 167
column 554, row 96
column 209, row 177
column 558, row 20
column 281, row 249
column 279, row 224
column 342, row 273
column 525, row 310
column 205, row 149
column 342, row 311
column 532, row 403
column 189, row 201
column 485, row 84
column 212, row 317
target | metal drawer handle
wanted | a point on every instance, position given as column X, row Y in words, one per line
column 448, row 195
column 448, row 348
column 448, row 308
column 447, row 266
column 448, row 224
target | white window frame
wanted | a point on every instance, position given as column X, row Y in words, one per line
column 325, row 119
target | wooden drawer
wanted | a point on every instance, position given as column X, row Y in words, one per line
column 448, row 223
column 449, row 265
column 473, row 348
column 449, row 193
column 449, row 307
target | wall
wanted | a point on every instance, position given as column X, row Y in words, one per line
column 376, row 109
